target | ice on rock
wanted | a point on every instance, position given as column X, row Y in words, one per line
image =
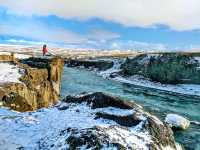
column 177, row 121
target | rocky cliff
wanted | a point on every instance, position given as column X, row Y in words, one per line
column 169, row 68
column 39, row 84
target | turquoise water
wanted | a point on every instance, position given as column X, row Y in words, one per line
column 157, row 102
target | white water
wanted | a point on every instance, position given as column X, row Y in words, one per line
column 114, row 69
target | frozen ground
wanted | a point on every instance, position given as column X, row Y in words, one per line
column 27, row 129
column 9, row 73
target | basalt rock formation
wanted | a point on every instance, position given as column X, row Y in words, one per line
column 39, row 87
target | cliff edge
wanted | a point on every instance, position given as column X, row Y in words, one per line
column 38, row 86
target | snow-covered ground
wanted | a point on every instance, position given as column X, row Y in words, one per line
column 22, row 56
column 27, row 129
column 9, row 73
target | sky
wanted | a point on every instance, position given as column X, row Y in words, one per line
column 102, row 24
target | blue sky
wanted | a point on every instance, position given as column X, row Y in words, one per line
column 131, row 24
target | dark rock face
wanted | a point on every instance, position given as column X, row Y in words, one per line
column 40, row 85
column 99, row 64
column 100, row 100
column 40, row 63
column 165, row 68
column 128, row 121
column 98, row 137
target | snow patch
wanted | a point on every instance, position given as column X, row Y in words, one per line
column 177, row 121
column 116, row 111
column 22, row 56
column 5, row 53
column 9, row 73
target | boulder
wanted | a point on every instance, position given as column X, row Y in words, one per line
column 177, row 121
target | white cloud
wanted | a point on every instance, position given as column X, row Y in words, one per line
column 177, row 14
column 42, row 32
column 13, row 41
column 103, row 35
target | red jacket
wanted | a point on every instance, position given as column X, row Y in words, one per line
column 45, row 50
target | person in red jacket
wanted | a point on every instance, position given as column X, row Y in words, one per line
column 44, row 50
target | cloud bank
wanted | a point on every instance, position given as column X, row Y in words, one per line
column 36, row 32
column 177, row 14
column 41, row 31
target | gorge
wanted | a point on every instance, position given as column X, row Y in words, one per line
column 69, row 124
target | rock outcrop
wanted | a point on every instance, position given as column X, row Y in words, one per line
column 98, row 64
column 119, row 125
column 39, row 87
column 169, row 68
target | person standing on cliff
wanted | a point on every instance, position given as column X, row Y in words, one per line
column 44, row 50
